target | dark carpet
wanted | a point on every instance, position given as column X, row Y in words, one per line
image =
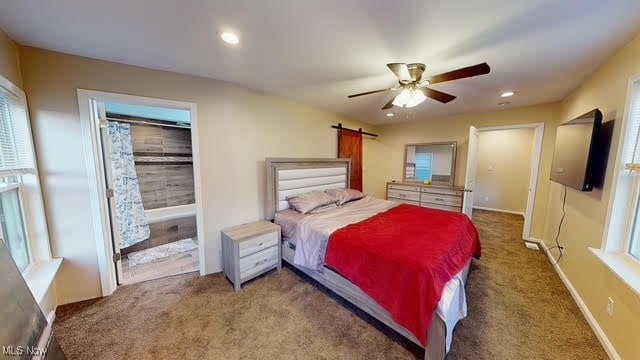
column 518, row 309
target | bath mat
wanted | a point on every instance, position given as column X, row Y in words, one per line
column 162, row 251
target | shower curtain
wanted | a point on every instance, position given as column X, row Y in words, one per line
column 128, row 200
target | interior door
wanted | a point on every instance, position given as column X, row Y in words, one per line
column 533, row 181
column 101, row 115
column 472, row 166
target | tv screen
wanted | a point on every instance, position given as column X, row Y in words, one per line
column 575, row 154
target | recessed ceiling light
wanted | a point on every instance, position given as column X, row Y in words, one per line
column 390, row 114
column 230, row 38
column 507, row 94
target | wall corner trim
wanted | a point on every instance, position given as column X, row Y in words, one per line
column 595, row 326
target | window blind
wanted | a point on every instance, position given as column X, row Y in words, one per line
column 631, row 152
column 16, row 154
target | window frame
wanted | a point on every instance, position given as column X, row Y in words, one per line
column 632, row 212
column 618, row 225
column 633, row 185
column 6, row 188
column 29, row 192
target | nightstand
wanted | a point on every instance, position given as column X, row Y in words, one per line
column 249, row 250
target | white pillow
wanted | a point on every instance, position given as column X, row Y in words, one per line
column 343, row 196
column 308, row 201
column 323, row 208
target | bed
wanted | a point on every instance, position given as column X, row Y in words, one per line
column 287, row 177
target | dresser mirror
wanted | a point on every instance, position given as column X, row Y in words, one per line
column 430, row 163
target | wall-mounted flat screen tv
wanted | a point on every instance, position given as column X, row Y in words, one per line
column 576, row 155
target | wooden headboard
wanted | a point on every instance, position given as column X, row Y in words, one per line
column 291, row 176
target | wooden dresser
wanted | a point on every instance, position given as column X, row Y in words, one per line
column 431, row 196
column 249, row 250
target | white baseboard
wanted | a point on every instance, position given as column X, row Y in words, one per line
column 602, row 337
column 500, row 210
column 534, row 240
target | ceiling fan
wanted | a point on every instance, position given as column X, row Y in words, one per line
column 414, row 87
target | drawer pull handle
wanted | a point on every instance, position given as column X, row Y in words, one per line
column 439, row 199
column 260, row 244
column 261, row 262
column 402, row 195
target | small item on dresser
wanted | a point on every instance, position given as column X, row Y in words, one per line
column 343, row 196
column 250, row 250
column 308, row 201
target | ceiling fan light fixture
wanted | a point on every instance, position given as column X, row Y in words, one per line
column 414, row 87
column 507, row 94
column 409, row 98
column 230, row 38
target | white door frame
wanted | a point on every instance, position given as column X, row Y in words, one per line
column 470, row 172
column 96, row 175
column 535, row 169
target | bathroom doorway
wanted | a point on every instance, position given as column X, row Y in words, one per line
column 146, row 161
column 149, row 173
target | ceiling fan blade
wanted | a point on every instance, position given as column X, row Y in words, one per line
column 369, row 92
column 388, row 105
column 375, row 91
column 401, row 70
column 461, row 73
column 438, row 95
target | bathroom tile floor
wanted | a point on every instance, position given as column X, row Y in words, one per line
column 174, row 264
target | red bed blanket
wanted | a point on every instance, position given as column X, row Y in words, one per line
column 402, row 258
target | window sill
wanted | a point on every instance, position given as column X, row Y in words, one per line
column 39, row 277
column 623, row 266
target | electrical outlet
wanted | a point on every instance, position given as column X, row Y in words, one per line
column 610, row 306
column 486, row 198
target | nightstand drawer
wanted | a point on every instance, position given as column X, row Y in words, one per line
column 257, row 262
column 258, row 243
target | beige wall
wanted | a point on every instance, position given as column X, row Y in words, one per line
column 388, row 149
column 237, row 128
column 9, row 60
column 504, row 167
column 606, row 89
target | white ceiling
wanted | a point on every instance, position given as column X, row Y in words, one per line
column 318, row 52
